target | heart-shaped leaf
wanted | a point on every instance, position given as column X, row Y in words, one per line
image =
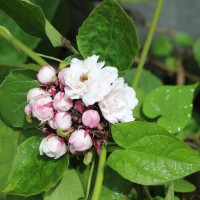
column 31, row 173
column 110, row 33
column 172, row 105
column 150, row 154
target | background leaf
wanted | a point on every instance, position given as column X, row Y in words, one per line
column 162, row 47
column 151, row 155
column 196, row 51
column 114, row 186
column 13, row 96
column 31, row 19
column 110, row 33
column 182, row 185
column 31, row 173
column 183, row 39
column 69, row 188
column 171, row 105
column 147, row 83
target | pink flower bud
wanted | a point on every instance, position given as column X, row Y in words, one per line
column 91, row 118
column 42, row 109
column 61, row 76
column 79, row 106
column 53, row 146
column 47, row 74
column 61, row 102
column 36, row 93
column 61, row 120
column 28, row 109
column 79, row 141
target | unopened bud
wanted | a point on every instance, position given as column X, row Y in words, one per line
column 61, row 102
column 47, row 74
column 53, row 146
column 79, row 141
column 91, row 118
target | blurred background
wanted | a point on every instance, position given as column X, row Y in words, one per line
column 173, row 59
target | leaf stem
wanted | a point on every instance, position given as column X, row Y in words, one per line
column 100, row 174
column 49, row 57
column 148, row 43
column 69, row 46
column 90, row 178
column 147, row 193
column 18, row 44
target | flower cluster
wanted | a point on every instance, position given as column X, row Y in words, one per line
column 76, row 106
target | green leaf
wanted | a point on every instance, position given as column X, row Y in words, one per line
column 151, row 155
column 170, row 191
column 182, row 185
column 147, row 83
column 9, row 54
column 171, row 106
column 31, row 19
column 110, row 33
column 13, row 96
column 114, row 186
column 196, row 51
column 31, row 173
column 171, row 63
column 162, row 47
column 8, row 146
column 69, row 188
column 183, row 39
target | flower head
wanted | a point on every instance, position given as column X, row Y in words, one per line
column 117, row 106
column 47, row 74
column 53, row 146
column 79, row 141
column 91, row 118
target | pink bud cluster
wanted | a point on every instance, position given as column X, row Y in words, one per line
column 68, row 124
column 76, row 105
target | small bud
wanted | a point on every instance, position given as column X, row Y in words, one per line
column 88, row 158
column 28, row 109
column 61, row 120
column 42, row 109
column 53, row 146
column 79, row 106
column 36, row 93
column 61, row 102
column 61, row 76
column 91, row 118
column 79, row 141
column 47, row 74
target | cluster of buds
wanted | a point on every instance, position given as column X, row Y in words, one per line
column 76, row 106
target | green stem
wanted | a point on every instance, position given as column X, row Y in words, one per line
column 69, row 46
column 147, row 193
column 18, row 44
column 49, row 57
column 148, row 43
column 100, row 174
column 90, row 178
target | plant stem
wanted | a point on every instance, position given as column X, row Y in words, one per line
column 147, row 193
column 90, row 178
column 148, row 43
column 100, row 174
column 69, row 46
column 49, row 57
column 18, row 44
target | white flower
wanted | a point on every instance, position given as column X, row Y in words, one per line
column 88, row 80
column 79, row 141
column 53, row 146
column 117, row 106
